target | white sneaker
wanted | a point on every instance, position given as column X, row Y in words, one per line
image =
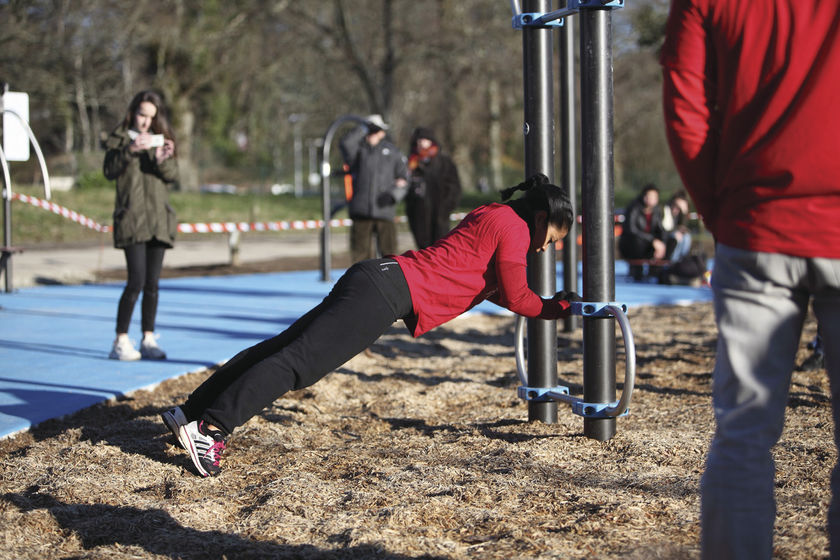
column 124, row 350
column 204, row 446
column 150, row 350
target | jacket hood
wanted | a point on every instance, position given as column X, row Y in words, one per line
column 117, row 138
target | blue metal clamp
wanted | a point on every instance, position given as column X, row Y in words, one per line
column 537, row 20
column 590, row 4
column 596, row 308
column 598, row 410
column 541, row 394
column 556, row 18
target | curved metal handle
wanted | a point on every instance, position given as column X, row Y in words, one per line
column 630, row 362
column 7, row 181
column 519, row 349
column 41, row 160
column 629, row 349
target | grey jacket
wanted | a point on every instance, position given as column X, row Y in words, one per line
column 375, row 170
column 141, row 207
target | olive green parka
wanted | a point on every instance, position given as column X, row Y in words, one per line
column 141, row 210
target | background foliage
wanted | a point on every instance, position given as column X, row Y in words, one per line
column 236, row 74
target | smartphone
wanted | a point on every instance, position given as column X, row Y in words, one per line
column 156, row 141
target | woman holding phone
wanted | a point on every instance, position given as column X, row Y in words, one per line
column 140, row 157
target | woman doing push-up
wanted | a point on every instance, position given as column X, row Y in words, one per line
column 483, row 257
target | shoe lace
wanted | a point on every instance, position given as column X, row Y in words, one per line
column 216, row 451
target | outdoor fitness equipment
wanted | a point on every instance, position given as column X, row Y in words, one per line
column 6, row 251
column 598, row 406
column 326, row 203
column 560, row 392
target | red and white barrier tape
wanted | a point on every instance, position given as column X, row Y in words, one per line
column 208, row 227
column 227, row 227
column 62, row 211
column 222, row 227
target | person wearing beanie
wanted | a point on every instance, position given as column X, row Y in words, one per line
column 434, row 188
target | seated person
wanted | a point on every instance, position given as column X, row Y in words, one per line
column 675, row 223
column 642, row 235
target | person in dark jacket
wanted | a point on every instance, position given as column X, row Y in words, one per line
column 434, row 189
column 642, row 234
column 380, row 178
column 140, row 157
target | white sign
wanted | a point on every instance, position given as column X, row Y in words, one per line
column 15, row 135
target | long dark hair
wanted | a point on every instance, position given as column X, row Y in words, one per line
column 160, row 124
column 541, row 195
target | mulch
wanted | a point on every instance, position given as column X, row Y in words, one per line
column 418, row 448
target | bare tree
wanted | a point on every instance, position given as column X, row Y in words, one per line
column 237, row 70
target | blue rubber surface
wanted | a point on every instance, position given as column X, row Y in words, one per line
column 55, row 340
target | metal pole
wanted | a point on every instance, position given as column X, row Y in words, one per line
column 326, row 204
column 569, row 157
column 7, row 221
column 539, row 158
column 598, row 211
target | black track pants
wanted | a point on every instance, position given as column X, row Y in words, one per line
column 364, row 303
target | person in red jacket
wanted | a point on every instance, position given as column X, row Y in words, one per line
column 484, row 257
column 749, row 91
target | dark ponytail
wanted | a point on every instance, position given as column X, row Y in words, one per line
column 541, row 195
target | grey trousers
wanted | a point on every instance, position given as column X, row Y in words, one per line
column 761, row 300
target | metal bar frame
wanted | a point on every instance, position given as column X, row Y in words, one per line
column 7, row 195
column 581, row 407
column 568, row 159
column 535, row 19
column 326, row 203
column 597, row 188
column 539, row 158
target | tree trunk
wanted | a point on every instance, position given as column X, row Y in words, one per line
column 97, row 134
column 81, row 105
column 493, row 95
column 184, row 123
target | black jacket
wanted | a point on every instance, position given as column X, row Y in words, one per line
column 375, row 170
column 636, row 241
column 434, row 191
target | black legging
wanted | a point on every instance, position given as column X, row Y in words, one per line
column 364, row 303
column 144, row 262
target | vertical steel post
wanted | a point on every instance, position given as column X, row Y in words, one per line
column 7, row 234
column 326, row 203
column 598, row 213
column 569, row 157
column 539, row 158
column 326, row 206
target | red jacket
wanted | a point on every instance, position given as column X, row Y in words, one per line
column 484, row 257
column 750, row 93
